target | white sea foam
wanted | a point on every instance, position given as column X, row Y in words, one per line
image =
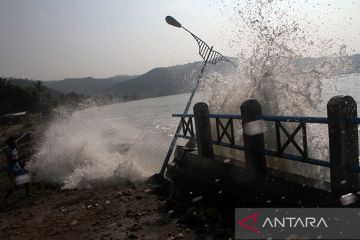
column 79, row 150
column 102, row 145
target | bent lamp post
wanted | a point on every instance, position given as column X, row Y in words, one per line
column 209, row 56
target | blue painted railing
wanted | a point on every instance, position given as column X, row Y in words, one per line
column 278, row 120
column 320, row 120
column 343, row 138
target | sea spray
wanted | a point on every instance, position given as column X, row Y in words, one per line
column 84, row 148
column 77, row 151
column 272, row 44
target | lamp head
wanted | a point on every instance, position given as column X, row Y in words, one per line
column 172, row 21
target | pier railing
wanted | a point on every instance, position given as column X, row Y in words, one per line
column 343, row 138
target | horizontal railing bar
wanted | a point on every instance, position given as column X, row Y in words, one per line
column 228, row 145
column 225, row 116
column 298, row 158
column 354, row 120
column 293, row 119
column 313, row 161
column 355, row 168
column 182, row 115
column 320, row 120
column 182, row 136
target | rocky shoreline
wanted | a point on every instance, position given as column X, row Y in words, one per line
column 130, row 211
column 124, row 211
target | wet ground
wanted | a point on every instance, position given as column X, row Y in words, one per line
column 117, row 212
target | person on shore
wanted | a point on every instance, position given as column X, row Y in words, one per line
column 14, row 168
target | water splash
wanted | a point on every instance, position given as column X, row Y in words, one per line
column 273, row 47
column 77, row 151
column 108, row 144
column 273, row 44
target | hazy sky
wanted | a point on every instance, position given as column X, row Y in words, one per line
column 53, row 39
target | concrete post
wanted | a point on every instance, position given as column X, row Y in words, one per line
column 253, row 138
column 203, row 130
column 343, row 144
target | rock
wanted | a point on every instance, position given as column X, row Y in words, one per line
column 105, row 217
column 129, row 213
column 62, row 209
column 106, row 234
column 179, row 235
column 197, row 199
column 74, row 222
column 128, row 193
column 118, row 235
column 132, row 236
column 175, row 221
column 107, row 202
column 134, row 227
column 112, row 225
column 138, row 197
column 55, row 232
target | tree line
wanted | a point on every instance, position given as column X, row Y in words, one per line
column 34, row 97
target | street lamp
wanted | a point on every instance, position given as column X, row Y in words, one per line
column 209, row 56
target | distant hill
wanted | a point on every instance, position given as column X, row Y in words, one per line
column 87, row 86
column 22, row 82
column 176, row 79
column 156, row 82
column 26, row 83
column 180, row 78
column 165, row 80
